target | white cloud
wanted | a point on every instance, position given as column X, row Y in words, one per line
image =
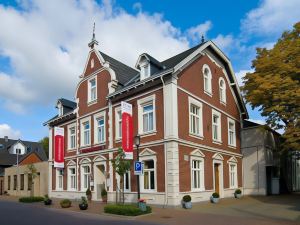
column 195, row 33
column 239, row 76
column 271, row 17
column 224, row 41
column 6, row 130
column 46, row 43
column 259, row 121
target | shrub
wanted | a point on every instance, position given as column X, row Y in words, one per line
column 65, row 203
column 31, row 199
column 103, row 193
column 238, row 191
column 215, row 195
column 88, row 192
column 126, row 210
column 83, row 200
column 187, row 198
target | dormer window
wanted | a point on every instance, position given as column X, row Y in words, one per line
column 60, row 109
column 145, row 70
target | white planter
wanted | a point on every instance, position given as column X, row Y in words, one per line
column 214, row 200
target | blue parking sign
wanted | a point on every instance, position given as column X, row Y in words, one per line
column 138, row 168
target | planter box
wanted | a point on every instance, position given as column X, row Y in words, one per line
column 214, row 200
column 237, row 195
column 142, row 206
column 187, row 205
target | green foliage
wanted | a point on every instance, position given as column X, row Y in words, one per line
column 103, row 193
column 215, row 195
column 187, row 198
column 126, row 210
column 88, row 192
column 83, row 200
column 238, row 191
column 46, row 197
column 65, row 203
column 274, row 86
column 31, row 199
column 45, row 144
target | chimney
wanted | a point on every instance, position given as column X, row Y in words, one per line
column 6, row 138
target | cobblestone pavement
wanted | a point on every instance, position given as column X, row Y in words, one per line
column 273, row 210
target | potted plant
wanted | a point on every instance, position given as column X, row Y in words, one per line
column 238, row 193
column 104, row 195
column 65, row 203
column 215, row 197
column 88, row 194
column 83, row 205
column 47, row 200
column 187, row 202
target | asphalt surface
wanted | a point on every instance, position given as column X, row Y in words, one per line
column 14, row 213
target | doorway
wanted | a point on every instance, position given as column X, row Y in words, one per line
column 217, row 177
column 99, row 179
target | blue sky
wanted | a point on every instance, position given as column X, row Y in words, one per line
column 43, row 44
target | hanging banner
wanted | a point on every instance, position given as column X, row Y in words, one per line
column 127, row 130
column 59, row 151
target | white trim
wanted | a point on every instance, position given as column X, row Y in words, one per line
column 219, row 130
column 221, row 176
column 209, row 80
column 82, row 121
column 235, row 175
column 197, row 153
column 69, row 178
column 145, row 155
column 89, row 100
column 71, row 163
column 232, row 160
column 117, row 120
column 195, row 102
column 96, row 117
column 69, row 127
column 234, row 132
column 222, row 91
column 202, row 172
column 218, row 156
column 57, row 175
column 140, row 103
column 84, row 161
column 82, row 188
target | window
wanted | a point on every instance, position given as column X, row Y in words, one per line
column 72, row 137
column 222, row 90
column 92, row 63
column 207, row 79
column 29, row 182
column 127, row 181
column 231, row 133
column 92, row 94
column 99, row 128
column 196, row 123
column 145, row 69
column 146, row 108
column 18, row 151
column 8, row 182
column 216, row 126
column 59, row 179
column 85, row 177
column 85, row 132
column 72, row 178
column 233, row 175
column 22, row 182
column 197, row 174
column 15, row 182
column 118, row 116
column 149, row 175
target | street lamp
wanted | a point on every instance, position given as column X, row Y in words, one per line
column 137, row 142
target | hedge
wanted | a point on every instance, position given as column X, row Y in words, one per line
column 125, row 210
column 31, row 199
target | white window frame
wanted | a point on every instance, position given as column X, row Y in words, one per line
column 145, row 69
column 82, row 174
column 143, row 159
column 70, row 188
column 196, row 103
column 234, row 132
column 58, row 177
column 92, row 63
column 71, row 126
column 82, row 122
column 235, row 178
column 90, row 100
column 201, row 171
column 209, row 80
column 129, row 180
column 118, row 123
column 222, row 91
column 219, row 130
column 101, row 115
column 141, row 103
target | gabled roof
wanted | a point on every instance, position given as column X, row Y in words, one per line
column 151, row 60
column 67, row 103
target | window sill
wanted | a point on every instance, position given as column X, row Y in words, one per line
column 196, row 136
column 208, row 93
column 99, row 144
column 85, row 146
column 89, row 103
column 232, row 146
column 198, row 190
column 217, row 142
column 223, row 103
column 148, row 191
column 150, row 133
column 71, row 150
column 118, row 140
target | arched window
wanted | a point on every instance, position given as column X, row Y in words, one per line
column 207, row 79
column 222, row 90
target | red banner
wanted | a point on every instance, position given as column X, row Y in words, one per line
column 59, row 151
column 127, row 130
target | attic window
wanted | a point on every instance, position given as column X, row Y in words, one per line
column 145, row 70
column 92, row 63
column 60, row 110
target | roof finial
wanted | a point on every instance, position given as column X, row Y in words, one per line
column 93, row 41
column 202, row 39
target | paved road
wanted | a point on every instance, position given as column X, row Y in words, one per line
column 14, row 213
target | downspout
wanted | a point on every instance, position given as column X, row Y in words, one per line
column 165, row 152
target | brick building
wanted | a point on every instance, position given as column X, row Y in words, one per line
column 187, row 110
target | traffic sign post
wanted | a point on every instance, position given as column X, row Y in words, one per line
column 138, row 168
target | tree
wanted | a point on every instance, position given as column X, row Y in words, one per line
column 45, row 144
column 121, row 166
column 274, row 86
column 32, row 174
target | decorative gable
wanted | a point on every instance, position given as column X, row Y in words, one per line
column 71, row 163
column 218, row 156
column 147, row 152
column 197, row 153
column 99, row 158
column 232, row 160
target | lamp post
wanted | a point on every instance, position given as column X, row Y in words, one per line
column 137, row 140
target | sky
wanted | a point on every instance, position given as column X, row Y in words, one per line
column 43, row 44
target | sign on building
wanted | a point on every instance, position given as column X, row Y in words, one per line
column 59, row 151
column 138, row 168
column 127, row 130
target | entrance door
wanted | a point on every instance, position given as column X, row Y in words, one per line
column 217, row 178
column 99, row 180
column 1, row 187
